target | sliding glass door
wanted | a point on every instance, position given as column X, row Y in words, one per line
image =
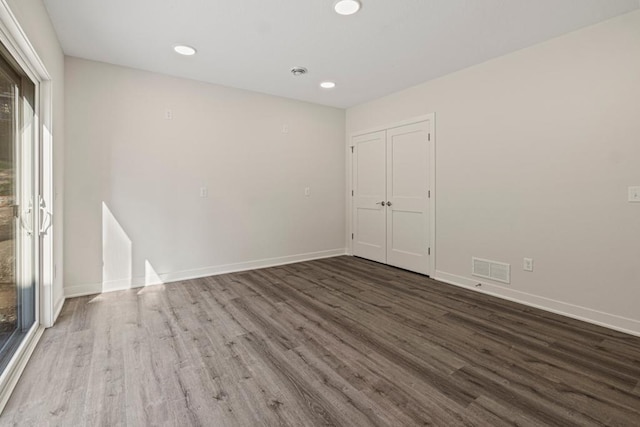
column 18, row 210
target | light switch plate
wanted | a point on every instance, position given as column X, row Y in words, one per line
column 634, row 194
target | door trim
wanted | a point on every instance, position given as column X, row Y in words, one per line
column 432, row 178
column 20, row 48
column 17, row 365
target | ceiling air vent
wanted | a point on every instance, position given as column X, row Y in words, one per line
column 299, row 71
column 493, row 270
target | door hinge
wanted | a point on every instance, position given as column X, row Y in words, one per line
column 429, row 194
column 352, row 149
column 429, row 137
column 351, row 236
column 351, row 193
column 429, row 251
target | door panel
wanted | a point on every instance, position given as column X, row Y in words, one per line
column 369, row 186
column 407, row 191
column 18, row 291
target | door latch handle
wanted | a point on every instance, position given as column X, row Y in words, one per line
column 47, row 217
column 380, row 203
column 23, row 223
column 388, row 204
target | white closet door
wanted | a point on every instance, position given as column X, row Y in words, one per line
column 407, row 196
column 369, row 185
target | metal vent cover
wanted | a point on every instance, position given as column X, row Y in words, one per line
column 299, row 71
column 493, row 270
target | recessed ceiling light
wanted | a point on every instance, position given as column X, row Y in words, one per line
column 184, row 50
column 347, row 7
column 327, row 85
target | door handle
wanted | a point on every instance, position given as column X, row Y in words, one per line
column 47, row 217
column 388, row 204
column 380, row 203
column 23, row 223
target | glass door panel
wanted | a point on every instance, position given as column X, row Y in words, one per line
column 17, row 211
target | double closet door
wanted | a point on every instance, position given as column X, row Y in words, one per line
column 391, row 196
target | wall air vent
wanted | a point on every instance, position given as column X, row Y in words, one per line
column 493, row 270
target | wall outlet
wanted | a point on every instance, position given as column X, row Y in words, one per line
column 634, row 194
column 307, row 191
column 168, row 114
column 285, row 128
column 204, row 192
column 527, row 265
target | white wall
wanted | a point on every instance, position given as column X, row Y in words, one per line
column 34, row 20
column 133, row 178
column 535, row 151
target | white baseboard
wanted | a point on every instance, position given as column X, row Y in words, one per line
column 249, row 265
column 58, row 309
column 82, row 290
column 138, row 282
column 618, row 323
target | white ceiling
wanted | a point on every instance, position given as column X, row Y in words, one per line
column 251, row 44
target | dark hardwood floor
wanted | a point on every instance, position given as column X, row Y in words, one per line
column 340, row 341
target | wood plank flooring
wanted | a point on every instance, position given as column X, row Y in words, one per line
column 340, row 341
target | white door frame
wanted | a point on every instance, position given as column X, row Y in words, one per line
column 18, row 45
column 432, row 179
